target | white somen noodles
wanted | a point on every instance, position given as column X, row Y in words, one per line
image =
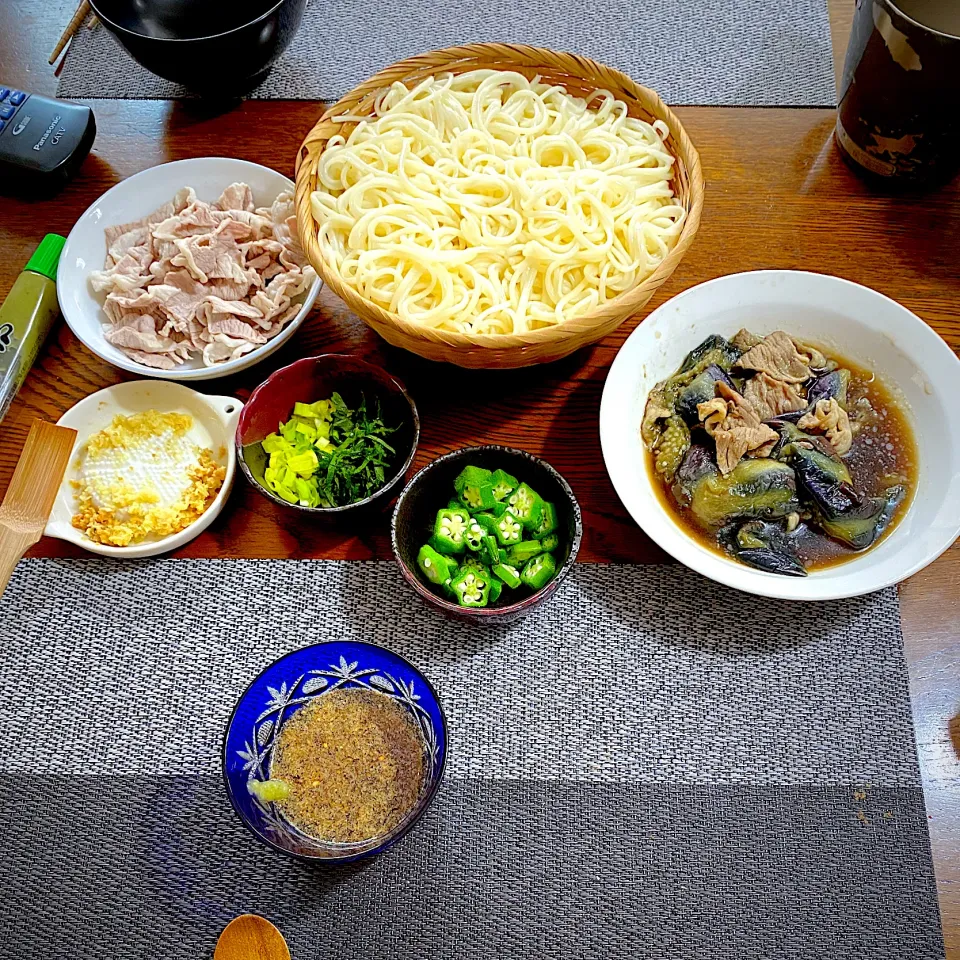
column 487, row 203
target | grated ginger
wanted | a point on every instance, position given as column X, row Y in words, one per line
column 141, row 478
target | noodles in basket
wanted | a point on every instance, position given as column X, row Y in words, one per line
column 487, row 203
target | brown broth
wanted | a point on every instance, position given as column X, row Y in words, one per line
column 882, row 449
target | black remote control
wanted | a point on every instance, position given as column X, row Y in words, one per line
column 42, row 141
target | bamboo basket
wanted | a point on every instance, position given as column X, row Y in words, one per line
column 581, row 76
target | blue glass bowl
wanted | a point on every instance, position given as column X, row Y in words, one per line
column 280, row 691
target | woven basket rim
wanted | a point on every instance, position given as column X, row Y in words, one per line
column 448, row 59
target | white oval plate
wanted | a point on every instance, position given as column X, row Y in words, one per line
column 214, row 426
column 135, row 197
column 860, row 324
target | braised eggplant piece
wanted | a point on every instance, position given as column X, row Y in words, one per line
column 825, row 480
column 833, row 384
column 812, row 486
column 697, row 463
column 860, row 524
column 671, row 445
column 701, row 389
column 714, row 350
column 791, row 434
column 766, row 546
column 754, row 488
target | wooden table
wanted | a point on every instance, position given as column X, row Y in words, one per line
column 778, row 196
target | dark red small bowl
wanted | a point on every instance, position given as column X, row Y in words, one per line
column 312, row 379
column 430, row 490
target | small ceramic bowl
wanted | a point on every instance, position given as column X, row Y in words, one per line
column 214, row 424
column 312, row 379
column 432, row 488
column 280, row 691
column 136, row 197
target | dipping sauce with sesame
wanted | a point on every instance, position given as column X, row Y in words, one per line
column 352, row 763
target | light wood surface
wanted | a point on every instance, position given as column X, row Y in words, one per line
column 777, row 195
column 31, row 492
column 841, row 21
column 249, row 937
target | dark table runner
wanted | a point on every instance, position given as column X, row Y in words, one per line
column 708, row 52
column 651, row 766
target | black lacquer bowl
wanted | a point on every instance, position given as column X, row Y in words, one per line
column 430, row 490
column 208, row 46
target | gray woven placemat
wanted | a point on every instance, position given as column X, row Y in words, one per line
column 709, row 52
column 651, row 765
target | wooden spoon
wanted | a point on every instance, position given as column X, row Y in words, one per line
column 249, row 937
column 32, row 492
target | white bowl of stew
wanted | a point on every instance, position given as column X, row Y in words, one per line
column 898, row 362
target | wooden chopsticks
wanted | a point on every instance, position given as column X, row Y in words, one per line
column 71, row 29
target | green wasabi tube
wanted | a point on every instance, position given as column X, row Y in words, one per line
column 26, row 317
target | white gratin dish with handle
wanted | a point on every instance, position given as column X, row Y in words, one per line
column 214, row 426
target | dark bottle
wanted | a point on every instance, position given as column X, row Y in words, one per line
column 899, row 113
